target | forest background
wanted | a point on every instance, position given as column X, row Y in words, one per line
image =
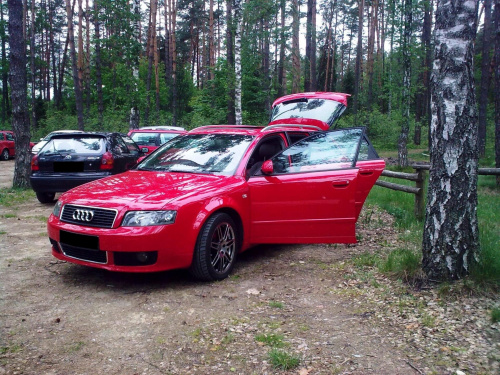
column 174, row 62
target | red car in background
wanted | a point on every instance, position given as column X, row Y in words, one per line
column 8, row 145
column 152, row 137
column 207, row 195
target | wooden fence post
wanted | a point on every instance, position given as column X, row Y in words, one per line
column 419, row 197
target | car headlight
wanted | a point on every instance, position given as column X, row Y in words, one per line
column 148, row 218
column 57, row 209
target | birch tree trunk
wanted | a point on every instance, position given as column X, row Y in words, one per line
column 231, row 117
column 238, row 20
column 19, row 88
column 134, row 111
column 98, row 75
column 295, row 46
column 451, row 236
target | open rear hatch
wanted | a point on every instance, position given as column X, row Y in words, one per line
column 319, row 109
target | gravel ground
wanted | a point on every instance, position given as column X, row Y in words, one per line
column 314, row 304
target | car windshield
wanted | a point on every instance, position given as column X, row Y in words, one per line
column 80, row 145
column 318, row 109
column 200, row 153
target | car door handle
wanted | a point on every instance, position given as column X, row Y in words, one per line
column 340, row 183
column 365, row 172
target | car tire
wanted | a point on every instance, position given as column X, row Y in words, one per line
column 45, row 197
column 216, row 248
column 5, row 155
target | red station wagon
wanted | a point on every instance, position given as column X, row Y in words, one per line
column 205, row 196
column 8, row 145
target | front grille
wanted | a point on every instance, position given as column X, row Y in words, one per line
column 94, row 256
column 101, row 217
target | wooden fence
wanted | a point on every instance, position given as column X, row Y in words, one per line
column 418, row 189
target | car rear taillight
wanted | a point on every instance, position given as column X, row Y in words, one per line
column 107, row 161
column 34, row 164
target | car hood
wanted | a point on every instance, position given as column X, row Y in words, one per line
column 147, row 190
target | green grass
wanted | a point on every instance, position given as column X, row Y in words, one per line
column 495, row 315
column 12, row 197
column 403, row 263
column 276, row 304
column 271, row 339
column 282, row 360
column 401, row 206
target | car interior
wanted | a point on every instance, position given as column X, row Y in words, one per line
column 264, row 151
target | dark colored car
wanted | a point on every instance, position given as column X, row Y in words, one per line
column 72, row 159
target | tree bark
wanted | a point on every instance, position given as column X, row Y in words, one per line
column 451, row 236
column 19, row 87
column 33, row 66
column 497, row 86
column 231, row 117
column 485, row 78
column 359, row 56
column 134, row 119
column 97, row 30
column 406, row 94
column 76, row 80
column 238, row 20
column 281, row 64
column 5, row 75
column 295, row 46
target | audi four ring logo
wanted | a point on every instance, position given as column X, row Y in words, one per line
column 83, row 215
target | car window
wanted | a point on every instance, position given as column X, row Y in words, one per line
column 1, row 137
column 321, row 151
column 165, row 137
column 83, row 145
column 266, row 149
column 366, row 151
column 295, row 137
column 145, row 138
column 118, row 145
column 9, row 137
column 131, row 146
column 319, row 109
column 200, row 153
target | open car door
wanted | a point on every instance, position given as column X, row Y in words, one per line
column 310, row 191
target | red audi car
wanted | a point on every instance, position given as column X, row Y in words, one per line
column 205, row 196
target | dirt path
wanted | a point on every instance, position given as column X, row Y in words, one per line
column 60, row 318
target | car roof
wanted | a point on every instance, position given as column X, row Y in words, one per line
column 336, row 96
column 162, row 127
column 83, row 134
column 251, row 129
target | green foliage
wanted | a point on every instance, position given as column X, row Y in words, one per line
column 14, row 196
column 488, row 268
column 495, row 315
column 366, row 260
column 403, row 263
column 271, row 339
column 282, row 360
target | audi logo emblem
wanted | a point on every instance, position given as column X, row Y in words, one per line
column 83, row 215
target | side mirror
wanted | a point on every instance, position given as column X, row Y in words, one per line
column 145, row 150
column 267, row 167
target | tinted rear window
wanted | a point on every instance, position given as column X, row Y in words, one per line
column 77, row 145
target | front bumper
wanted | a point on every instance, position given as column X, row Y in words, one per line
column 121, row 249
column 61, row 182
